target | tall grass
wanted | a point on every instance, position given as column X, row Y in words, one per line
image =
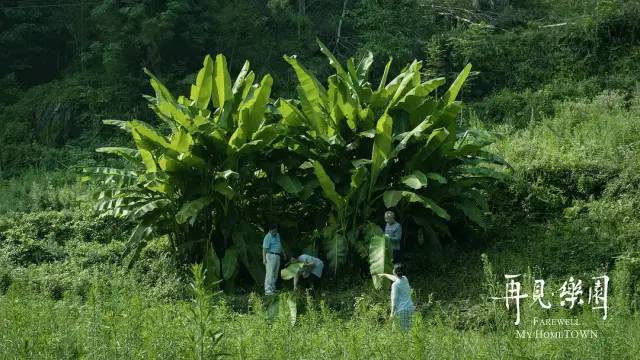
column 118, row 321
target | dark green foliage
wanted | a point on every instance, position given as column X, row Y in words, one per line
column 87, row 56
column 46, row 236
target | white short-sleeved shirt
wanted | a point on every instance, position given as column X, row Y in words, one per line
column 401, row 295
column 318, row 265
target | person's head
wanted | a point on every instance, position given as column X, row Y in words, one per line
column 398, row 270
column 273, row 228
column 389, row 217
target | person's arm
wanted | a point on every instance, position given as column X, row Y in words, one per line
column 265, row 246
column 394, row 293
column 284, row 252
column 389, row 276
column 309, row 265
column 296, row 278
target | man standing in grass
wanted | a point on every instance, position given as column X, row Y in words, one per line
column 393, row 230
column 271, row 253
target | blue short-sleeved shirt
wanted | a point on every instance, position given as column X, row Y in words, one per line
column 271, row 243
column 394, row 231
column 317, row 268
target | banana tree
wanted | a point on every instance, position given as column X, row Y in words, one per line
column 394, row 144
column 193, row 182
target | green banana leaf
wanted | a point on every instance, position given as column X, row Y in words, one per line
column 328, row 187
column 379, row 253
column 202, row 89
column 381, row 148
column 291, row 270
column 221, row 92
column 189, row 211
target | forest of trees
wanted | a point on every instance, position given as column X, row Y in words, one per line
column 67, row 65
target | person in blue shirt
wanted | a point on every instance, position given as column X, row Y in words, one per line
column 393, row 230
column 272, row 252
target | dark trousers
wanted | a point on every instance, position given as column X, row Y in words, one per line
column 397, row 256
column 312, row 282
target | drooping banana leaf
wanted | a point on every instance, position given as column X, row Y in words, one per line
column 132, row 155
column 328, row 187
column 379, row 253
column 189, row 210
column 136, row 242
column 416, row 180
column 290, row 184
column 291, row 270
column 212, row 265
column 391, row 198
column 336, row 249
column 229, row 263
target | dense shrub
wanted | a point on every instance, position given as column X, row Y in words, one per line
column 47, row 235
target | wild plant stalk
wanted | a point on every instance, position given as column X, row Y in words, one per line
column 204, row 338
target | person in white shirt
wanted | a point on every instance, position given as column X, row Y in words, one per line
column 401, row 304
column 312, row 268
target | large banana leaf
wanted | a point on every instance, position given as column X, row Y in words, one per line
column 136, row 242
column 391, row 198
column 313, row 96
column 290, row 184
column 416, row 180
column 129, row 154
column 472, row 212
column 221, row 93
column 336, row 248
column 252, row 113
column 451, row 94
column 123, row 125
column 229, row 263
column 381, row 147
column 291, row 115
column 247, row 242
column 358, row 178
column 379, row 253
column 405, row 84
column 435, row 140
column 212, row 265
column 332, row 59
column 189, row 211
column 150, row 208
column 201, row 91
column 291, row 270
column 328, row 187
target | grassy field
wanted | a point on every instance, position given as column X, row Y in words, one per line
column 119, row 320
